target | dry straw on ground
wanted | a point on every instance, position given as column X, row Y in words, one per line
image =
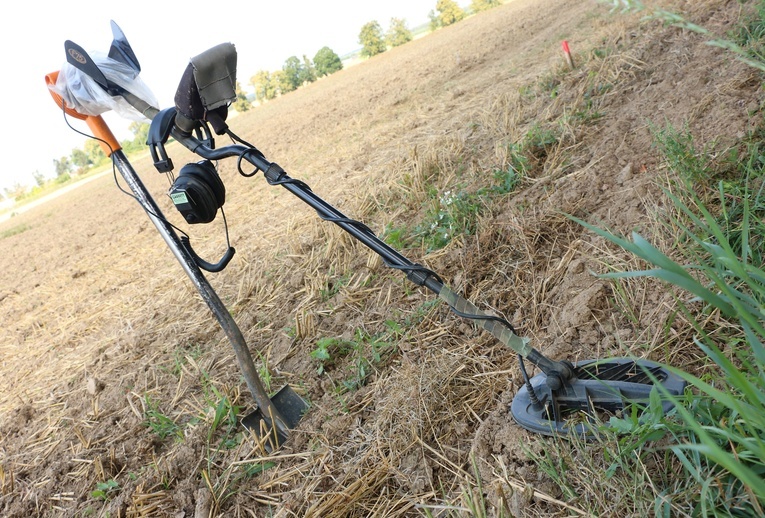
column 92, row 293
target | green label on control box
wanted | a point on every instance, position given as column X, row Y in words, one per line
column 179, row 198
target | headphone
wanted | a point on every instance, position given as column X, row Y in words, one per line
column 198, row 192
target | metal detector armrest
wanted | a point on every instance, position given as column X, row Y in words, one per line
column 106, row 139
column 207, row 87
column 159, row 133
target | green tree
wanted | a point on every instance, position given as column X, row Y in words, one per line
column 308, row 72
column 263, row 83
column 483, row 5
column 449, row 12
column 62, row 166
column 39, row 178
column 327, row 62
column 372, row 39
column 293, row 71
column 18, row 190
column 140, row 131
column 281, row 82
column 94, row 151
column 435, row 21
column 398, row 32
column 80, row 159
column 241, row 104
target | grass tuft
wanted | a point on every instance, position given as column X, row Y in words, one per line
column 718, row 431
column 18, row 229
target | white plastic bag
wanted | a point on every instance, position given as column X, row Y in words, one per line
column 85, row 96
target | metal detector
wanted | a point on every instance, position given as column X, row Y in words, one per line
column 565, row 398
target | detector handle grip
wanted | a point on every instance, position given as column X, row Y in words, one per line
column 106, row 139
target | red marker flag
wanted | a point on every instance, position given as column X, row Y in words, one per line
column 567, row 55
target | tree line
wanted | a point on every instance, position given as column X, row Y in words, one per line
column 267, row 85
column 374, row 41
column 296, row 72
column 78, row 163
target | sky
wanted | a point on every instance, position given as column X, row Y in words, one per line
column 164, row 36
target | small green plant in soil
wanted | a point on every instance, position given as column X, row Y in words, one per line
column 452, row 213
column 333, row 287
column 158, row 422
column 455, row 212
column 328, row 351
column 355, row 358
column 396, row 237
column 105, row 490
column 224, row 414
column 180, row 358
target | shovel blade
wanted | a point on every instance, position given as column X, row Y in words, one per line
column 290, row 405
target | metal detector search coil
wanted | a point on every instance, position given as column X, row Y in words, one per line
column 601, row 387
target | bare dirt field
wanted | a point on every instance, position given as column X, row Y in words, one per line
column 120, row 395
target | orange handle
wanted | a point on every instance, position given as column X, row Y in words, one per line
column 109, row 144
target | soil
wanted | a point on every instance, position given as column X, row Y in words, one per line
column 101, row 330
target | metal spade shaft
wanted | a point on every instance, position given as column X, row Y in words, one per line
column 226, row 321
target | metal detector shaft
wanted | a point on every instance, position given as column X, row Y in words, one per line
column 275, row 175
column 226, row 321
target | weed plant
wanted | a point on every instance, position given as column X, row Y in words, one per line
column 18, row 229
column 105, row 490
column 158, row 422
column 718, row 430
column 360, row 356
column 737, row 177
column 746, row 46
column 716, row 434
column 455, row 211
